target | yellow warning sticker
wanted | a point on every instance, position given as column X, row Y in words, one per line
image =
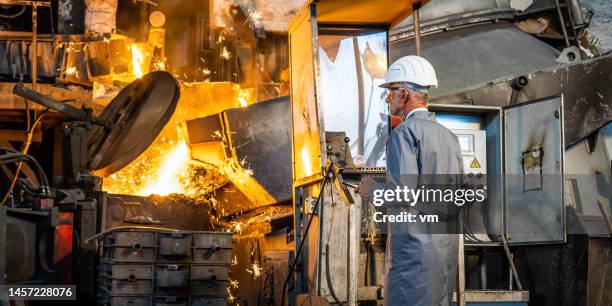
column 475, row 163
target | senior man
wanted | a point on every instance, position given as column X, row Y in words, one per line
column 421, row 263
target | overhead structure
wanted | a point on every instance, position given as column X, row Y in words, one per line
column 364, row 13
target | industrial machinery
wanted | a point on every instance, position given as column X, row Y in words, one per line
column 518, row 102
column 46, row 228
column 529, row 103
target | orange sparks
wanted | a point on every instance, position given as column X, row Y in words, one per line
column 163, row 169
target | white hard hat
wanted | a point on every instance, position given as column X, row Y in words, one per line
column 411, row 69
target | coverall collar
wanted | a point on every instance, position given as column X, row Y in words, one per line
column 420, row 109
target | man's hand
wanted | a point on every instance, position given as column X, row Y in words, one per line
column 365, row 188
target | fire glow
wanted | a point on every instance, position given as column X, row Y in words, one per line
column 166, row 167
column 138, row 59
column 173, row 168
column 163, row 169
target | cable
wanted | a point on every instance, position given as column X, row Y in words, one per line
column 23, row 8
column 24, row 150
column 299, row 252
column 16, row 157
column 20, row 159
column 12, row 158
column 328, row 277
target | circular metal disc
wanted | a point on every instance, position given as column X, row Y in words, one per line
column 133, row 120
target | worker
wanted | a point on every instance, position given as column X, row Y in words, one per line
column 421, row 265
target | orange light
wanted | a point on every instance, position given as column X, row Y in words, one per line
column 306, row 161
column 138, row 59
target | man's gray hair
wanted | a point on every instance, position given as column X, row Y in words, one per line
column 416, row 88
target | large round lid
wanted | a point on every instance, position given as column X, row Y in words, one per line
column 131, row 122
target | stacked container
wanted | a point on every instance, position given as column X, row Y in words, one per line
column 155, row 268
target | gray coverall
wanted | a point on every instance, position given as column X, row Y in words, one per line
column 421, row 266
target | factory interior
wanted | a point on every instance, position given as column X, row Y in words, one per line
column 208, row 152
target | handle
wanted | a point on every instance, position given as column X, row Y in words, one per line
column 41, row 99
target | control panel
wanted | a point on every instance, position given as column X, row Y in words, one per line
column 474, row 150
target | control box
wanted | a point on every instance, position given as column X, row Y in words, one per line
column 474, row 150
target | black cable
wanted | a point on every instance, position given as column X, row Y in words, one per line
column 27, row 186
column 299, row 252
column 19, row 157
column 23, row 8
column 40, row 174
column 328, row 276
column 24, row 150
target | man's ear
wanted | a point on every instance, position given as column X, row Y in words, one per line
column 405, row 97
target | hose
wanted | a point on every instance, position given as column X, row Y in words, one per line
column 26, row 158
column 24, row 151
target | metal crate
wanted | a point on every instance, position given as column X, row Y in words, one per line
column 156, row 268
column 213, row 249
column 131, row 247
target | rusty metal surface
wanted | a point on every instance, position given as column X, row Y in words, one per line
column 130, row 247
column 146, row 246
column 259, row 135
column 251, row 146
column 171, row 275
column 17, row 61
column 75, row 95
column 175, row 246
column 151, row 267
column 175, row 212
column 69, row 59
column 268, row 253
column 600, row 272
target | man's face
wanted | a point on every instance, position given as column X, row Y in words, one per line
column 396, row 98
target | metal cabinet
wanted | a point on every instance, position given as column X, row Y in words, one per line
column 533, row 166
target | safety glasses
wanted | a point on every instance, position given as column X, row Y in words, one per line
column 389, row 90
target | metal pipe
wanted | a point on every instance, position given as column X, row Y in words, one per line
column 572, row 23
column 562, row 22
column 574, row 7
column 361, row 97
column 321, row 226
column 34, row 51
column 348, row 254
column 41, row 99
column 460, row 286
column 417, row 27
column 511, row 262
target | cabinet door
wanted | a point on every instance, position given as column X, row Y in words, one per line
column 533, row 162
